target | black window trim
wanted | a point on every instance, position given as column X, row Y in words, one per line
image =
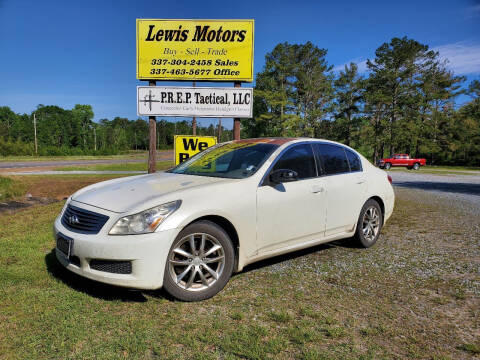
column 265, row 182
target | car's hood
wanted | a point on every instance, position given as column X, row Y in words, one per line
column 125, row 194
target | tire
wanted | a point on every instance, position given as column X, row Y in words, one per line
column 193, row 274
column 387, row 166
column 416, row 166
column 363, row 237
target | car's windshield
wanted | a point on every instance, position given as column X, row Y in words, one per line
column 236, row 160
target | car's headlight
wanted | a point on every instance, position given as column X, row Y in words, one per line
column 144, row 222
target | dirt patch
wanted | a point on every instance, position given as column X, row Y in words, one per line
column 41, row 190
column 57, row 187
column 13, row 205
column 29, row 169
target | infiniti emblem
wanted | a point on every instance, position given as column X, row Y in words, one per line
column 73, row 219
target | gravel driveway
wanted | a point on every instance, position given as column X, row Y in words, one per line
column 464, row 189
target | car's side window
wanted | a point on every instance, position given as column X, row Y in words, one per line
column 300, row 159
column 333, row 159
column 353, row 160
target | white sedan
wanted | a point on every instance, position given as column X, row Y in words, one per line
column 188, row 229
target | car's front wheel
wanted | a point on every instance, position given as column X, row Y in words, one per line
column 388, row 166
column 369, row 224
column 416, row 166
column 199, row 263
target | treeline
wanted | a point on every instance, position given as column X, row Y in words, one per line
column 73, row 132
column 405, row 103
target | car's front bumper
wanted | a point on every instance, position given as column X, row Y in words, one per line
column 146, row 252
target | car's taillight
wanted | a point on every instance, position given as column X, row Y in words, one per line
column 389, row 179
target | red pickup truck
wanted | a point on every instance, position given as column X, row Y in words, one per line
column 401, row 160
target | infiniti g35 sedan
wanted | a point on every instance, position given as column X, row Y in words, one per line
column 189, row 228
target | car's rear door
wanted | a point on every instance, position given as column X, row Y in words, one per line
column 292, row 212
column 345, row 185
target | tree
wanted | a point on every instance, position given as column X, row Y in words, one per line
column 349, row 89
column 7, row 119
column 293, row 93
column 474, row 89
column 394, row 70
column 83, row 120
column 417, row 91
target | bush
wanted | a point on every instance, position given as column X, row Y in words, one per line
column 15, row 148
column 18, row 148
column 10, row 188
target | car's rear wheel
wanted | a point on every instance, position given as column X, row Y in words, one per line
column 369, row 224
column 388, row 166
column 199, row 263
column 416, row 166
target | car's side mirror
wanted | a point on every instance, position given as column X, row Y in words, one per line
column 282, row 175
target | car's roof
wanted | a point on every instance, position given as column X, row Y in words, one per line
column 280, row 140
column 268, row 140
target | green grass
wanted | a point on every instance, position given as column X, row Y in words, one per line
column 10, row 188
column 330, row 302
column 442, row 170
column 471, row 348
column 441, row 167
column 129, row 155
column 127, row 166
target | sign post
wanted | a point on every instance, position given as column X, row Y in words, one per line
column 236, row 121
column 152, row 148
column 194, row 119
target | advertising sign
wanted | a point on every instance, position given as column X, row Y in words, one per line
column 194, row 101
column 189, row 145
column 219, row 50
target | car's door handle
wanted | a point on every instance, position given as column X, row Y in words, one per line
column 360, row 182
column 317, row 189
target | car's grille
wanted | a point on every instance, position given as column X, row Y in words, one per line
column 116, row 267
column 83, row 221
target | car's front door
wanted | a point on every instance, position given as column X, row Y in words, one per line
column 291, row 212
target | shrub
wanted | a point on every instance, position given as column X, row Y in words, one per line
column 10, row 188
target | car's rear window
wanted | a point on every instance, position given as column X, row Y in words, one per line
column 353, row 160
column 334, row 159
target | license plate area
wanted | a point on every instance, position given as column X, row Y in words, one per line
column 65, row 244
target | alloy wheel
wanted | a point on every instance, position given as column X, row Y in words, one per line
column 196, row 262
column 371, row 223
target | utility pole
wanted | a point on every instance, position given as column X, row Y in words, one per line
column 220, row 130
column 95, row 137
column 35, row 132
column 194, row 121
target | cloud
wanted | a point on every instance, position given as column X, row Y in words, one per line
column 361, row 63
column 462, row 58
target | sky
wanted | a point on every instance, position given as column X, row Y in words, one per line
column 83, row 52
